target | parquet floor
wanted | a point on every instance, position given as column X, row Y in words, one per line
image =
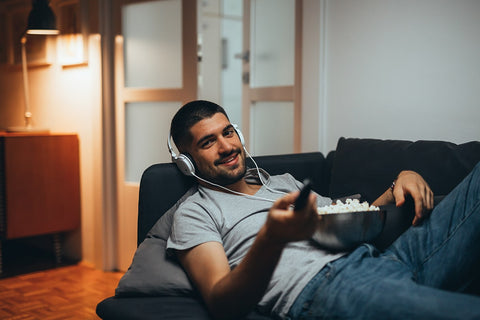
column 70, row 292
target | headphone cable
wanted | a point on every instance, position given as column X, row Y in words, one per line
column 232, row 191
column 260, row 176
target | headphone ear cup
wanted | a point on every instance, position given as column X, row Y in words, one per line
column 185, row 164
column 240, row 134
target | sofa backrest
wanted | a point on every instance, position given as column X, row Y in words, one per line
column 300, row 165
column 163, row 184
column 368, row 166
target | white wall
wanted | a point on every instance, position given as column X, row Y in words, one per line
column 398, row 70
column 312, row 106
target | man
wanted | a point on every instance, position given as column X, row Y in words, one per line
column 242, row 252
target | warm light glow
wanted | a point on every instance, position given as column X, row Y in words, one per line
column 43, row 31
column 72, row 50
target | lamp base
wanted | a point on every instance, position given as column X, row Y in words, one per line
column 27, row 130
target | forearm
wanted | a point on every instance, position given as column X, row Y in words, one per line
column 386, row 198
column 240, row 290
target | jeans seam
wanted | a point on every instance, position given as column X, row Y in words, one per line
column 439, row 247
column 325, row 276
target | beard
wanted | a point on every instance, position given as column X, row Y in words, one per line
column 226, row 176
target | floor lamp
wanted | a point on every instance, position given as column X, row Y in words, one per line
column 41, row 21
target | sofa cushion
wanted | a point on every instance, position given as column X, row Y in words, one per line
column 153, row 272
column 368, row 166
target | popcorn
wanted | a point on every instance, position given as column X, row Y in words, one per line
column 350, row 205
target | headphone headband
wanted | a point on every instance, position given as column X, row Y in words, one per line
column 169, row 145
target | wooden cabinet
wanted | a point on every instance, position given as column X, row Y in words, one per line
column 39, row 184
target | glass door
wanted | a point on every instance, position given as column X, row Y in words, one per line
column 272, row 75
column 155, row 74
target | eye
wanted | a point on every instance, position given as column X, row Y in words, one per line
column 229, row 133
column 207, row 143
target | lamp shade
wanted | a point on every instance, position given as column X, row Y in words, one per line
column 41, row 19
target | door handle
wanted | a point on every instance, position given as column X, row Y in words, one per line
column 246, row 77
column 245, row 56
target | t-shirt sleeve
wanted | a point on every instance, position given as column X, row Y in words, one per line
column 192, row 225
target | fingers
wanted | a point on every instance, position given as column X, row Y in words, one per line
column 285, row 224
column 311, row 204
column 431, row 200
column 423, row 199
column 399, row 196
column 309, row 211
column 309, row 215
column 413, row 184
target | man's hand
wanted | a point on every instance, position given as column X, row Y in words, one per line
column 285, row 224
column 411, row 183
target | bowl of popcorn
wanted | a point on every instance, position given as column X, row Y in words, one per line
column 343, row 226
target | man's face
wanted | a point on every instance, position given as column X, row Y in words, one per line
column 217, row 151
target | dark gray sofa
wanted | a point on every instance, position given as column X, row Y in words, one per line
column 157, row 288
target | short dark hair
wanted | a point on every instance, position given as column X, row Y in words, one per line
column 187, row 116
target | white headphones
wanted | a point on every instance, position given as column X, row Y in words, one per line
column 185, row 162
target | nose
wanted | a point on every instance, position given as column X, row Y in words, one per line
column 224, row 145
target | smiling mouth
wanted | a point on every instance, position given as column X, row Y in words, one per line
column 227, row 160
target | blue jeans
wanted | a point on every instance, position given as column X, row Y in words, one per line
column 420, row 276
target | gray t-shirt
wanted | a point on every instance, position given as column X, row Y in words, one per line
column 234, row 221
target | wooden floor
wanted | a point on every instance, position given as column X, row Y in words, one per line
column 70, row 292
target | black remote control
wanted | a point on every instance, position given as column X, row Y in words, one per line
column 302, row 198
